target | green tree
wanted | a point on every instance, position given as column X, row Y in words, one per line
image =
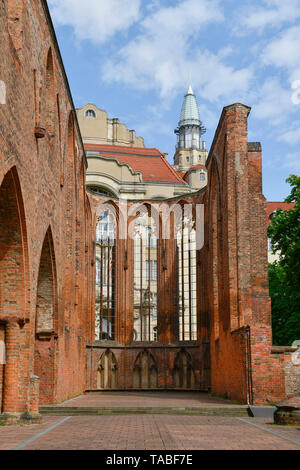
column 284, row 275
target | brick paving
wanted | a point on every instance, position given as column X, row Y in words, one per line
column 148, row 399
column 150, row 432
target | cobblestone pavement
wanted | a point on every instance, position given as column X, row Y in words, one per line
column 148, row 399
column 149, row 432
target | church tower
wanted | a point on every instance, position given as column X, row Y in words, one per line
column 190, row 150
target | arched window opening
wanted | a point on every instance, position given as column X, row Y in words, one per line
column 107, row 371
column 90, row 113
column 100, row 191
column 145, row 278
column 46, row 322
column 145, row 371
column 202, row 176
column 183, row 373
column 105, row 276
column 187, row 282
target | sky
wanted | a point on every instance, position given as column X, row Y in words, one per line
column 134, row 58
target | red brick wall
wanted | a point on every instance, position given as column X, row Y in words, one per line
column 47, row 188
column 236, row 261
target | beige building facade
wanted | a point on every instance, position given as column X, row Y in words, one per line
column 98, row 128
column 120, row 166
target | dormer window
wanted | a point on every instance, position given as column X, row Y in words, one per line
column 90, row 113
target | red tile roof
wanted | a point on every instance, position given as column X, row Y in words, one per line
column 272, row 206
column 149, row 161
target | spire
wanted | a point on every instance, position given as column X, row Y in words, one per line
column 190, row 90
column 189, row 111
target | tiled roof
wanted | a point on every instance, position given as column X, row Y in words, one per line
column 149, row 161
column 272, row 206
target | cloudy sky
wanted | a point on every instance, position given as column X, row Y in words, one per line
column 133, row 59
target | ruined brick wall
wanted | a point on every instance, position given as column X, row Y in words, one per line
column 45, row 242
column 236, row 261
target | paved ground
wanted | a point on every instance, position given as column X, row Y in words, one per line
column 149, row 432
column 148, row 399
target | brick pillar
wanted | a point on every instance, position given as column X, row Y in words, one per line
column 10, row 396
column 34, row 393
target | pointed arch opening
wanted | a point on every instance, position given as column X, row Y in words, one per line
column 183, row 373
column 186, row 277
column 145, row 374
column 13, row 283
column 105, row 273
column 107, row 371
column 145, row 278
column 46, row 322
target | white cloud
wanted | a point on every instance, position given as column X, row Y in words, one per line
column 283, row 52
column 273, row 103
column 161, row 57
column 95, row 20
column 273, row 13
column 291, row 136
column 292, row 161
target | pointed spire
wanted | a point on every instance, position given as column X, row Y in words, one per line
column 189, row 111
column 190, row 90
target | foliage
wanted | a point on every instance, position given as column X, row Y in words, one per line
column 284, row 275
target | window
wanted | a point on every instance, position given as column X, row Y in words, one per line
column 155, row 333
column 99, row 190
column 151, row 270
column 145, row 278
column 187, row 287
column 90, row 114
column 105, row 277
column 187, row 159
column 98, row 272
column 202, row 176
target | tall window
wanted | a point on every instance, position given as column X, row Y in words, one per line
column 105, row 278
column 186, row 269
column 145, row 279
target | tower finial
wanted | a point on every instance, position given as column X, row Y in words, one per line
column 190, row 89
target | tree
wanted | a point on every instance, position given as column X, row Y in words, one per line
column 284, row 275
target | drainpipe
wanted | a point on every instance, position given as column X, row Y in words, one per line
column 249, row 367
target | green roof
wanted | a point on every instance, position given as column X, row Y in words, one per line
column 190, row 111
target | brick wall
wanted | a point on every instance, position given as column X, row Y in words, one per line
column 45, row 243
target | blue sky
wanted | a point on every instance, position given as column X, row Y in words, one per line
column 133, row 59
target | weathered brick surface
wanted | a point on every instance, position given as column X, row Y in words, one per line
column 45, row 242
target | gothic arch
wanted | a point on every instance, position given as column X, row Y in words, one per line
column 215, row 242
column 145, row 373
column 46, row 322
column 107, row 371
column 14, row 282
column 183, row 373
